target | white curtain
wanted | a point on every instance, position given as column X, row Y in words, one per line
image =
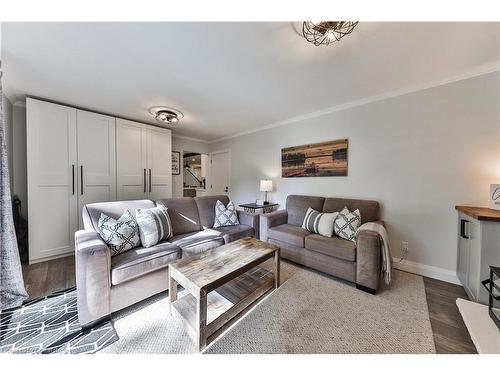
column 12, row 292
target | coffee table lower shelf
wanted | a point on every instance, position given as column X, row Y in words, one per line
column 225, row 304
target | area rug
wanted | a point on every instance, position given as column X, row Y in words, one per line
column 50, row 325
column 309, row 313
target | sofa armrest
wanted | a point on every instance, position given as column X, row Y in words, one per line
column 250, row 219
column 368, row 259
column 270, row 220
column 93, row 273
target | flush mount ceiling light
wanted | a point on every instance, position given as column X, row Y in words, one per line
column 166, row 115
column 326, row 32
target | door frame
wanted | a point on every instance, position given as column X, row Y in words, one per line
column 223, row 151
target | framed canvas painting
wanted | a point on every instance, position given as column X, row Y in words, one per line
column 176, row 162
column 324, row 159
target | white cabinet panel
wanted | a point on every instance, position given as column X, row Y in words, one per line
column 96, row 159
column 159, row 164
column 52, row 161
column 131, row 151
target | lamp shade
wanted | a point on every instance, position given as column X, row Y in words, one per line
column 266, row 185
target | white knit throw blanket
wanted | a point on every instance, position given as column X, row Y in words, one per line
column 385, row 248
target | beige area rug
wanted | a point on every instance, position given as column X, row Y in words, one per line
column 309, row 313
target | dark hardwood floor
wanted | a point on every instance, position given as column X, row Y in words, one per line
column 450, row 333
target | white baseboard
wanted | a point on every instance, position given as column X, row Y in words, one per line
column 427, row 271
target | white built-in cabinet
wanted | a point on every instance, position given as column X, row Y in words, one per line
column 77, row 157
column 478, row 249
column 144, row 161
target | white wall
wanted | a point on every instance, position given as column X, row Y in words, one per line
column 418, row 154
column 181, row 145
column 20, row 169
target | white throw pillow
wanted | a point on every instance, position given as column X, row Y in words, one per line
column 347, row 223
column 154, row 225
column 225, row 215
column 319, row 222
column 120, row 235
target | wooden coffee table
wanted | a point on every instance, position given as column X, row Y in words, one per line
column 222, row 284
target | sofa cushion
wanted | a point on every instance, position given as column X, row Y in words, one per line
column 332, row 246
column 142, row 260
column 297, row 205
column 369, row 210
column 198, row 242
column 154, row 225
column 347, row 223
column 291, row 234
column 183, row 213
column 319, row 222
column 92, row 212
column 206, row 208
column 225, row 216
column 236, row 232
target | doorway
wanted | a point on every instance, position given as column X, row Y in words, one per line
column 194, row 174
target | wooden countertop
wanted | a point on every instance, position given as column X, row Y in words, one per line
column 480, row 213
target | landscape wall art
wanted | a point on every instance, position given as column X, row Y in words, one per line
column 324, row 159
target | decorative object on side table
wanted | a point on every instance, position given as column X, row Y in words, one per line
column 492, row 285
column 176, row 162
column 252, row 207
column 495, row 196
column 324, row 159
column 266, row 185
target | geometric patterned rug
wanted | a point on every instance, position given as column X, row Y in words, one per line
column 50, row 325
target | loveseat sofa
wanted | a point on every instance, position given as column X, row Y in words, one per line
column 358, row 262
column 106, row 284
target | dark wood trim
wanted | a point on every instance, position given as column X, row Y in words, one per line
column 480, row 213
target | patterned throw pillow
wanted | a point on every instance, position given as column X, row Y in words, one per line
column 154, row 225
column 120, row 235
column 225, row 216
column 318, row 222
column 347, row 223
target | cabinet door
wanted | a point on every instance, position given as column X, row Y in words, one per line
column 159, row 163
column 463, row 253
column 52, row 163
column 131, row 160
column 473, row 277
column 96, row 159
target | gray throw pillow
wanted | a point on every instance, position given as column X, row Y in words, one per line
column 347, row 223
column 154, row 225
column 120, row 235
column 225, row 215
column 319, row 222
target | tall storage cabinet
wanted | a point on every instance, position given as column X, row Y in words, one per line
column 144, row 161
column 478, row 248
column 77, row 157
column 52, row 178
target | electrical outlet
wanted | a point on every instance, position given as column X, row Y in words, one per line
column 404, row 248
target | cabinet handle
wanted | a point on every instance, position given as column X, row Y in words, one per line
column 81, row 180
column 462, row 228
column 73, row 177
column 144, row 179
column 150, row 180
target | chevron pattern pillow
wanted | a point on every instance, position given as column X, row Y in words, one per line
column 319, row 222
column 120, row 235
column 154, row 225
column 225, row 215
column 347, row 223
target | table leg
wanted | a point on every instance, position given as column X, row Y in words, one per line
column 201, row 315
column 172, row 293
column 277, row 269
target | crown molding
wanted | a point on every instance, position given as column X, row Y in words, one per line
column 19, row 103
column 479, row 71
column 190, row 138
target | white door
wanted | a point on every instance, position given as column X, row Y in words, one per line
column 52, row 168
column 159, row 163
column 131, row 160
column 220, row 163
column 96, row 159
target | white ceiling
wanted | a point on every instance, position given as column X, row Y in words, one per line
column 229, row 78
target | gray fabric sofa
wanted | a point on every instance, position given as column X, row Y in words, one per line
column 358, row 262
column 106, row 284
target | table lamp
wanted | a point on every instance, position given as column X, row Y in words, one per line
column 266, row 185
